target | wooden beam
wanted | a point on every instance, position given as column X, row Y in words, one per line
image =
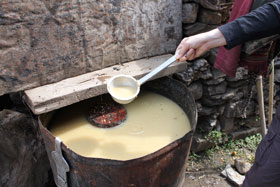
column 261, row 104
column 72, row 90
column 271, row 93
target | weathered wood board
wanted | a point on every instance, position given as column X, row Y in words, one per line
column 72, row 90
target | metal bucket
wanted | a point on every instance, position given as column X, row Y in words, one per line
column 165, row 167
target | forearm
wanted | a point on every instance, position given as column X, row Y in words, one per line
column 192, row 47
column 262, row 22
column 214, row 39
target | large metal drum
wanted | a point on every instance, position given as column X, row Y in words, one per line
column 165, row 167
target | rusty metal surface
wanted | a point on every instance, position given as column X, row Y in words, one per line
column 162, row 168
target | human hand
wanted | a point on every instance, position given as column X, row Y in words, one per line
column 194, row 46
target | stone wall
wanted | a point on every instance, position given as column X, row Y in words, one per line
column 44, row 41
column 23, row 159
column 203, row 15
column 223, row 102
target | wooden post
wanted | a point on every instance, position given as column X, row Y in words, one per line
column 271, row 93
column 261, row 104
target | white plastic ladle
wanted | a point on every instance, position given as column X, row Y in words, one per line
column 129, row 81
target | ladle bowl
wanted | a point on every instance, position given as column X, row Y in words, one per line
column 132, row 83
column 123, row 81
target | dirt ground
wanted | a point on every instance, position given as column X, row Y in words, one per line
column 205, row 174
column 205, row 171
column 205, row 179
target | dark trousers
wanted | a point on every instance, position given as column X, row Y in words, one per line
column 266, row 170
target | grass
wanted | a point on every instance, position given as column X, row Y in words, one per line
column 225, row 149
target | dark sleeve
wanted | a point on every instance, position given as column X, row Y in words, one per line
column 262, row 22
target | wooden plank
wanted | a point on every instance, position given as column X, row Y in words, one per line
column 72, row 90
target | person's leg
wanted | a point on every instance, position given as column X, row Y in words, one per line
column 266, row 170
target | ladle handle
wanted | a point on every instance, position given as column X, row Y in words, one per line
column 157, row 70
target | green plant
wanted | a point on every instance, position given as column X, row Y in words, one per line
column 240, row 143
column 216, row 137
column 229, row 146
column 253, row 141
column 194, row 157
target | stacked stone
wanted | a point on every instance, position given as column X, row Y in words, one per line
column 204, row 15
column 223, row 102
column 23, row 159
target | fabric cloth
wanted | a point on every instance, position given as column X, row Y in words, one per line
column 266, row 170
column 262, row 22
column 227, row 60
column 259, row 61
